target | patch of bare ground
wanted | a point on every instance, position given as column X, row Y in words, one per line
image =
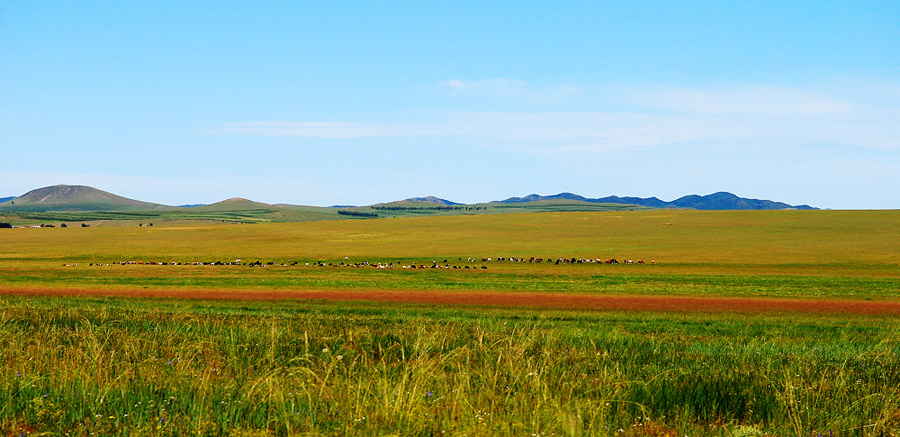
column 502, row 299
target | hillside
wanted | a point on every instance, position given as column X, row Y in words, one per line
column 715, row 201
column 74, row 198
column 74, row 203
column 432, row 199
column 6, row 199
column 233, row 204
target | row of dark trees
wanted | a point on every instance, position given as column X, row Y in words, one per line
column 357, row 213
column 429, row 208
column 43, row 225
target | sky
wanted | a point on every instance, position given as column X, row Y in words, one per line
column 323, row 103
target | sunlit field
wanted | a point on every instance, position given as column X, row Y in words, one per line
column 213, row 365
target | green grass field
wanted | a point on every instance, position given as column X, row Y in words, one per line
column 174, row 368
column 79, row 365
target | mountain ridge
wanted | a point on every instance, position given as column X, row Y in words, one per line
column 432, row 199
column 83, row 198
column 711, row 202
column 75, row 198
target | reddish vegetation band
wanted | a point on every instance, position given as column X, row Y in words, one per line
column 507, row 299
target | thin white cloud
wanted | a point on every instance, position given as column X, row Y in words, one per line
column 503, row 88
column 308, row 129
column 496, row 87
column 744, row 100
column 655, row 117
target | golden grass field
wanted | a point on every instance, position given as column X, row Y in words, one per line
column 749, row 323
column 832, row 245
column 674, row 237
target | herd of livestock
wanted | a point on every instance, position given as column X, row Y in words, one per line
column 469, row 263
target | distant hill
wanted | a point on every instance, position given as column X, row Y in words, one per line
column 722, row 200
column 432, row 199
column 715, row 201
column 6, row 199
column 74, row 198
column 233, row 204
column 60, row 202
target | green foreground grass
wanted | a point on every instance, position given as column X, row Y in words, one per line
column 168, row 367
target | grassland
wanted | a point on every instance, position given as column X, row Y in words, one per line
column 212, row 367
column 208, row 368
column 837, row 254
column 242, row 211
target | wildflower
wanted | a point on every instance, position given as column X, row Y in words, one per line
column 428, row 394
column 325, row 350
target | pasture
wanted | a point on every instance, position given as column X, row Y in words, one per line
column 243, row 355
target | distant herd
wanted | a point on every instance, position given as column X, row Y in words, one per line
column 469, row 263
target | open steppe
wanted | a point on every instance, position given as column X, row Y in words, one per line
column 736, row 323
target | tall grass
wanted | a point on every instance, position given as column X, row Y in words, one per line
column 162, row 367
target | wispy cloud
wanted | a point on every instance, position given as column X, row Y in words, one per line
column 496, row 87
column 503, row 88
column 765, row 100
column 310, row 129
column 656, row 117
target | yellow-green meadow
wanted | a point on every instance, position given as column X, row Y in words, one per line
column 171, row 366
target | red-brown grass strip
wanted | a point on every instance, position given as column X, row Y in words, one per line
column 503, row 299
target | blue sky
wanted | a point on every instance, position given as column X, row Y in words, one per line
column 323, row 103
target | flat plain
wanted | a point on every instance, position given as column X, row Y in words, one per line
column 736, row 323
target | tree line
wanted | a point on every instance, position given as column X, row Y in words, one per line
column 429, row 208
column 357, row 213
